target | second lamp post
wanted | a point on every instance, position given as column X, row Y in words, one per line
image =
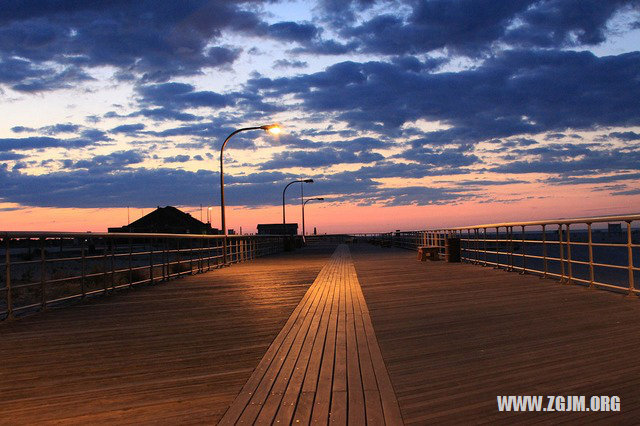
column 302, row 181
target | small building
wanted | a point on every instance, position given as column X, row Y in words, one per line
column 277, row 229
column 168, row 220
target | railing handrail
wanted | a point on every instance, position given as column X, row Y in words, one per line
column 561, row 221
column 59, row 234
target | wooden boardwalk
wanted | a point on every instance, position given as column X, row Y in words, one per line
column 368, row 337
column 455, row 336
column 325, row 365
column 173, row 353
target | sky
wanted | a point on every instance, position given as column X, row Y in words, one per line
column 414, row 114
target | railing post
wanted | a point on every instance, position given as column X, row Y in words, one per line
column 7, row 248
column 201, row 249
column 84, row 270
column 485, row 246
column 190, row 256
column 560, row 242
column 105, row 274
column 524, row 253
column 511, row 247
column 179, row 256
column 468, row 243
column 112, row 245
column 590, row 242
column 43, row 275
column 544, row 251
column 165, row 261
column 208, row 253
column 569, row 266
column 630, row 264
column 130, row 264
column 151, row 262
column 497, row 248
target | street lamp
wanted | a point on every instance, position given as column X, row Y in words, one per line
column 271, row 128
column 284, row 222
column 303, row 204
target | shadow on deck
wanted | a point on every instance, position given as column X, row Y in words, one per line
column 453, row 337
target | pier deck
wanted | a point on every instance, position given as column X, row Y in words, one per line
column 451, row 338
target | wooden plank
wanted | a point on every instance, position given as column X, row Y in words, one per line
column 339, row 400
column 293, row 395
column 266, row 380
column 307, row 399
column 305, row 336
column 357, row 414
column 322, row 402
column 390, row 408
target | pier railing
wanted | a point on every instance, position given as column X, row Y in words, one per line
column 592, row 251
column 38, row 269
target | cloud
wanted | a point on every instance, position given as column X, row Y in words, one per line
column 285, row 63
column 510, row 94
column 180, row 158
column 321, row 158
column 144, row 39
column 115, row 161
column 292, row 31
column 129, row 129
column 11, row 156
column 177, row 96
column 625, row 136
column 572, row 159
column 473, row 27
column 40, row 142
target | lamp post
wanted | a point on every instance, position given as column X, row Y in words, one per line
column 284, row 221
column 303, row 204
column 271, row 128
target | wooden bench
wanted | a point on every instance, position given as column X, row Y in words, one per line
column 428, row 252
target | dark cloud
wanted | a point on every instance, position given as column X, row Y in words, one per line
column 95, row 135
column 625, row 136
column 180, row 158
column 177, row 96
column 430, row 157
column 115, row 161
column 322, row 158
column 24, row 76
column 572, row 180
column 129, row 129
column 11, row 156
column 474, row 27
column 162, row 114
column 285, row 63
column 627, row 192
column 46, row 44
column 513, row 93
column 572, row 159
column 40, row 142
column 292, row 31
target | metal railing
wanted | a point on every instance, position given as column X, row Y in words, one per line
column 38, row 269
column 576, row 251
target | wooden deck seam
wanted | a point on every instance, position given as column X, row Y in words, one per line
column 325, row 366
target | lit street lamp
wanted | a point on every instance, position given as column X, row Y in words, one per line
column 271, row 128
column 284, row 222
column 303, row 204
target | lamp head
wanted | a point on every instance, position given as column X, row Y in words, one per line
column 320, row 199
column 308, row 180
column 274, row 129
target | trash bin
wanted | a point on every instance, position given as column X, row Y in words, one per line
column 452, row 249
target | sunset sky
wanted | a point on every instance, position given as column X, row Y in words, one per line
column 407, row 114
